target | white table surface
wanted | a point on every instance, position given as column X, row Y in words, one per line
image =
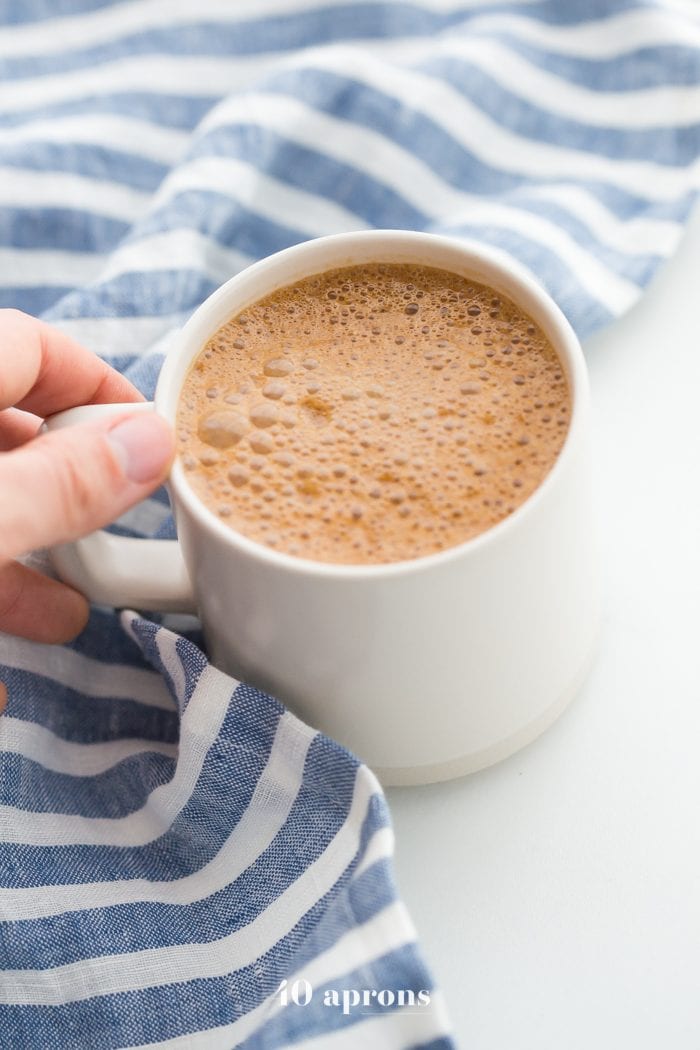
column 557, row 894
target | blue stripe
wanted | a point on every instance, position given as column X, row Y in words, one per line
column 316, row 173
column 571, row 12
column 193, row 662
column 155, row 293
column 635, row 266
column 353, row 21
column 420, row 136
column 336, row 912
column 229, row 223
column 395, row 972
column 103, row 640
column 180, row 112
column 191, row 657
column 163, row 1012
column 166, row 530
column 90, row 161
column 69, row 937
column 434, row 1044
column 336, row 25
column 341, row 96
column 627, row 205
column 675, row 211
column 85, row 719
column 149, row 294
column 674, row 146
column 378, row 204
column 118, row 791
column 364, row 896
column 22, row 12
column 213, row 809
column 583, row 311
column 144, row 375
column 647, row 67
column 59, row 229
column 34, row 301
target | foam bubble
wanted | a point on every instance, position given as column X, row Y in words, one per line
column 274, row 390
column 209, row 458
column 264, row 415
column 222, row 429
column 262, row 443
column 278, row 366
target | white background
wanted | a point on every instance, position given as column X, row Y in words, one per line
column 557, row 895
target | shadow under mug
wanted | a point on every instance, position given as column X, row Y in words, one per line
column 426, row 669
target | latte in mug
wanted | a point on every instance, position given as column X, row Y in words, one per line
column 371, row 414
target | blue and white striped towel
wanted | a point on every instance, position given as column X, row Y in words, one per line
column 174, row 845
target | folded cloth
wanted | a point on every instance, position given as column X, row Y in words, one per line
column 182, row 862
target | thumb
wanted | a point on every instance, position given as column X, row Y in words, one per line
column 62, row 485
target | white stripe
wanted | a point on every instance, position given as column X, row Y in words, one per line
column 108, row 130
column 119, row 335
column 409, row 177
column 184, row 76
column 387, row 931
column 21, row 188
column 413, row 180
column 359, row 147
column 82, row 673
column 663, row 106
column 266, row 813
column 442, row 104
column 189, row 248
column 181, row 75
column 637, row 235
column 172, row 250
column 135, row 971
column 38, row 744
column 379, row 847
column 166, row 643
column 200, row 726
column 603, row 38
column 495, row 145
column 614, row 291
column 211, row 76
column 29, row 268
column 108, row 25
column 688, row 8
column 163, row 346
column 264, row 195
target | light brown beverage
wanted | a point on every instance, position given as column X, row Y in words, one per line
column 372, row 414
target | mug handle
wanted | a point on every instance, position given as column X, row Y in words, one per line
column 120, row 570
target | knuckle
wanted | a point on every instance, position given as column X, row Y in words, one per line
column 72, row 492
column 83, row 476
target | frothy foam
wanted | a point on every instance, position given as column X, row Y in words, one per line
column 372, row 414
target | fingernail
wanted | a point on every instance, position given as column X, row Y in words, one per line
column 144, row 446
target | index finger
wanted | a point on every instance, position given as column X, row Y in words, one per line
column 43, row 371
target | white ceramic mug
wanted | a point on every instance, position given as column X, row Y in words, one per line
column 426, row 669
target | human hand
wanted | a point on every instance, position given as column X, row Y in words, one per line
column 59, row 486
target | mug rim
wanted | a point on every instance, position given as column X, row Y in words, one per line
column 190, row 342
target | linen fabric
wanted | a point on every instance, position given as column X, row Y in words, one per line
column 175, row 845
